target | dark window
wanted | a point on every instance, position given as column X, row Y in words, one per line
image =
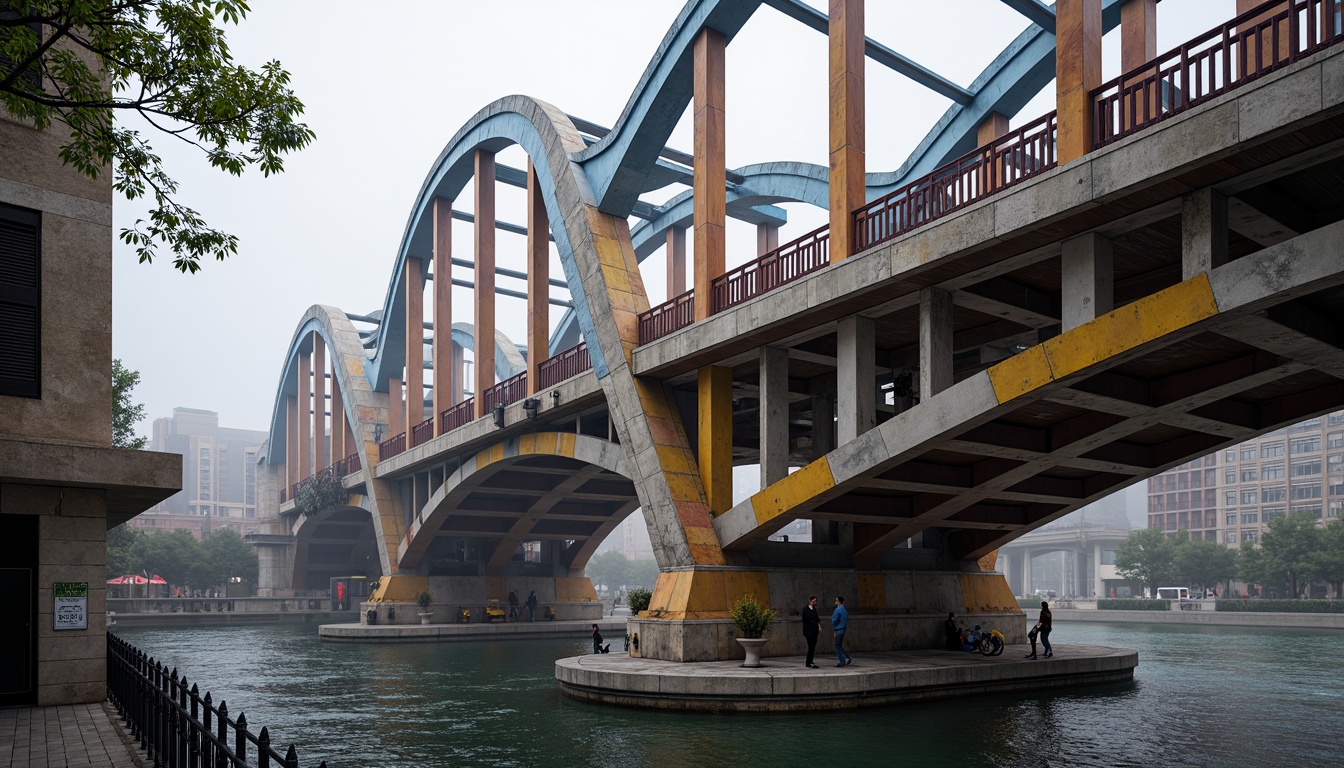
column 20, row 302
column 33, row 74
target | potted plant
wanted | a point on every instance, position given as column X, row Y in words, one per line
column 424, row 597
column 752, row 621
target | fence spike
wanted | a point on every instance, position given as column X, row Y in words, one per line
column 291, row 758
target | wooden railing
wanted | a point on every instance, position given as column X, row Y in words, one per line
column 563, row 365
column 1214, row 63
column 347, row 466
column 998, row 165
column 667, row 317
column 461, row 414
column 389, row 448
column 785, row 264
column 510, row 390
column 423, row 432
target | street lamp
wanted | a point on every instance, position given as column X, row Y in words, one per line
column 232, row 580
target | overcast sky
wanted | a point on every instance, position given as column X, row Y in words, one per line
column 387, row 85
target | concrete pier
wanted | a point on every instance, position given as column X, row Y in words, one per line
column 784, row 684
column 613, row 629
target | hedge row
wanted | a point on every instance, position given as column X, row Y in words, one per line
column 1280, row 606
column 1133, row 604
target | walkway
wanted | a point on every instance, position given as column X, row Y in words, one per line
column 73, row 735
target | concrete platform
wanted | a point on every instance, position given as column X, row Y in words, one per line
column 874, row 679
column 613, row 629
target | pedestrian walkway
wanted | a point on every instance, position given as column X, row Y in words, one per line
column 72, row 735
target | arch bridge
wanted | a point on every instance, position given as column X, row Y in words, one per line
column 1032, row 312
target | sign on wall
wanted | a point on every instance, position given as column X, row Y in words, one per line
column 71, row 609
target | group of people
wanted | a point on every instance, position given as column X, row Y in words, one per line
column 515, row 613
column 965, row 639
column 839, row 625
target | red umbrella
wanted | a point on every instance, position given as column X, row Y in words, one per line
column 157, row 579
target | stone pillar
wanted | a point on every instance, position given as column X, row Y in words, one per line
column 1077, row 72
column 1027, row 586
column 935, row 342
column 847, row 183
column 445, row 375
column 339, row 448
column 1087, row 284
column 459, row 376
column 538, row 280
column 395, row 410
column 676, row 262
column 1203, row 232
column 291, row 442
column 767, row 238
column 710, row 173
column 716, row 436
column 1098, row 588
column 856, row 377
column 484, row 353
column 774, row 415
column 305, row 411
column 415, row 343
column 320, row 458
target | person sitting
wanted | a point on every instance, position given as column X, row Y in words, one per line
column 970, row 638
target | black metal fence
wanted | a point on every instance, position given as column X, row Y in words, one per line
column 177, row 726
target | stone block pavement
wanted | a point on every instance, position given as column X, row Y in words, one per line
column 72, row 735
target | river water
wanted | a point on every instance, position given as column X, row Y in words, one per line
column 1202, row 696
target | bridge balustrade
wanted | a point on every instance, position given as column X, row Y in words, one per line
column 785, row 264
column 347, row 466
column 389, row 448
column 423, row 432
column 673, row 314
column 564, row 365
column 510, row 390
column 1218, row 61
column 459, row 415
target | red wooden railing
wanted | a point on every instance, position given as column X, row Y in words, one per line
column 510, row 390
column 563, row 365
column 459, row 415
column 785, row 264
column 389, row 448
column 1214, row 63
column 998, row 165
column 423, row 432
column 667, row 317
column 347, row 466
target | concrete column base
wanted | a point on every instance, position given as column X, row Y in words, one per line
column 481, row 599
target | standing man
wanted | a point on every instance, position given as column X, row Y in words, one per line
column 532, row 605
column 1045, row 623
column 811, row 628
column 839, row 623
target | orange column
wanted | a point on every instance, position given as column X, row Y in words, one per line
column 994, row 126
column 847, row 123
column 444, row 374
column 1077, row 73
column 319, row 404
column 710, row 181
column 415, row 342
column 1138, row 45
column 485, row 277
column 396, row 413
column 291, row 442
column 676, row 262
column 1248, row 58
column 459, row 373
column 339, row 448
column 538, row 280
column 767, row 238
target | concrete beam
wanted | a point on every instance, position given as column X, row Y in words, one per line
column 774, row 415
column 1203, row 232
column 856, row 394
column 1087, row 280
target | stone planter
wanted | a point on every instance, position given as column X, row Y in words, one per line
column 752, row 645
column 426, row 616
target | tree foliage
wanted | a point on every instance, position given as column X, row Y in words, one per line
column 321, row 493
column 81, row 63
column 1147, row 556
column 1291, row 548
column 614, row 570
column 1329, row 560
column 179, row 558
column 125, row 412
column 1204, row 564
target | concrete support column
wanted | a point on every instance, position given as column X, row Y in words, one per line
column 305, row 411
column 1098, row 588
column 351, row 444
column 415, row 342
column 823, row 425
column 716, row 436
column 445, row 375
column 710, row 172
column 291, row 442
column 396, row 413
column 1077, row 72
column 1087, row 284
column 847, row 144
column 774, row 415
column 538, row 280
column 339, row 448
column 767, row 238
column 459, row 376
column 676, row 262
column 935, row 342
column 1027, row 586
column 1203, row 232
column 484, row 354
column 856, row 377
column 320, row 458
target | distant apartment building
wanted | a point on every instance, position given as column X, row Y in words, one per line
column 1230, row 496
column 219, row 475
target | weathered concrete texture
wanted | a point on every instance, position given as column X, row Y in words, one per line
column 443, row 633
column 875, row 679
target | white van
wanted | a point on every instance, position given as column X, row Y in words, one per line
column 1173, row 593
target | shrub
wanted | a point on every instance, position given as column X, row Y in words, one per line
column 1028, row 602
column 639, row 600
column 1133, row 604
column 320, row 493
column 424, row 597
column 752, row 618
column 1283, row 606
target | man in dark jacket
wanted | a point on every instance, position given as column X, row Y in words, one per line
column 811, row 628
column 532, row 605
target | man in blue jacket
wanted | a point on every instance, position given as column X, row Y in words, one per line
column 839, row 623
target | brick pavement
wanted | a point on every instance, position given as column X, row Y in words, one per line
column 73, row 735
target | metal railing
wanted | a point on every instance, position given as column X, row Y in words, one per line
column 423, row 432
column 459, row 415
column 389, row 448
column 347, row 466
column 671, row 315
column 1218, row 61
column 564, row 365
column 510, row 390
column 970, row 178
column 175, row 725
column 785, row 264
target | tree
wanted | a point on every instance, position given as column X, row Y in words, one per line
column 1252, row 564
column 125, row 547
column 125, row 412
column 79, row 63
column 1290, row 545
column 642, row 573
column 1329, row 562
column 1146, row 556
column 225, row 555
column 1203, row 564
column 173, row 555
column 608, row 568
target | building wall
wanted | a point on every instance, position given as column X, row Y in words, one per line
column 219, row 474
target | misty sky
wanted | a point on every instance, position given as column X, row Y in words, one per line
column 386, row 86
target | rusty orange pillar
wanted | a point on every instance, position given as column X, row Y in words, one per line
column 320, row 458
column 415, row 343
column 339, row 448
column 716, row 436
column 1138, row 46
column 1077, row 73
column 444, row 374
column 459, row 374
column 676, row 262
column 396, row 413
column 993, row 127
column 767, row 238
column 538, row 280
column 1257, row 52
column 291, row 442
column 305, row 411
column 710, row 177
column 847, row 123
column 484, row 353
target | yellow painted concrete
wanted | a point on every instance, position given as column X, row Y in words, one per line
column 778, row 498
column 872, row 591
column 716, row 436
column 986, row 593
column 399, row 588
column 569, row 589
column 684, row 595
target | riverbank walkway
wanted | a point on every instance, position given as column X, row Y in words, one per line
column 878, row 678
column 74, row 735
